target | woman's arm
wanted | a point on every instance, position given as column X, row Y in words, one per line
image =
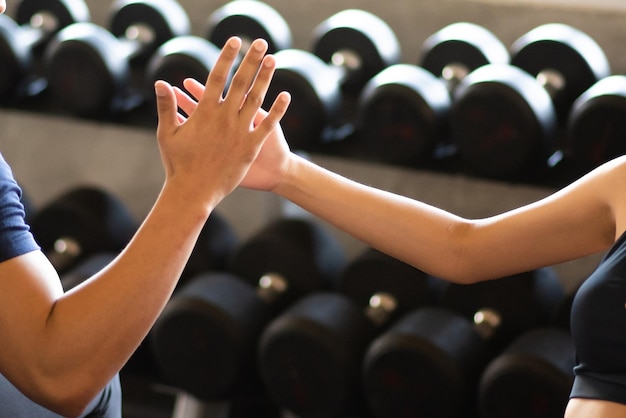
column 577, row 221
column 61, row 349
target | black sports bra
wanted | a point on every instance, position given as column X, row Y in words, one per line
column 598, row 323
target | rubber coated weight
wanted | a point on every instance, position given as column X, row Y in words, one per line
column 502, row 122
column 403, row 110
column 429, row 362
column 458, row 49
column 205, row 339
column 214, row 247
column 81, row 222
column 349, row 48
column 597, row 124
column 22, row 41
column 532, row 378
column 358, row 43
column 249, row 20
column 91, row 69
column 564, row 59
column 402, row 115
column 181, row 58
column 310, row 356
column 488, row 125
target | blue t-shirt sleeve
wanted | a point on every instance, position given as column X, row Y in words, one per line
column 15, row 236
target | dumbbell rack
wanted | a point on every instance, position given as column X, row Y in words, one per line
column 50, row 154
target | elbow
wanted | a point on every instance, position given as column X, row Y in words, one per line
column 464, row 263
column 65, row 397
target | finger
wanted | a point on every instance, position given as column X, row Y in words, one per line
column 219, row 75
column 246, row 73
column 167, row 109
column 267, row 122
column 194, row 87
column 185, row 102
column 256, row 95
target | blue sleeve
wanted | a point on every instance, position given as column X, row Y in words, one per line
column 15, row 236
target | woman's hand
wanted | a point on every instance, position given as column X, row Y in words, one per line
column 207, row 154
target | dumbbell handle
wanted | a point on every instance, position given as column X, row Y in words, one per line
column 486, row 322
column 64, row 252
column 381, row 306
column 271, row 286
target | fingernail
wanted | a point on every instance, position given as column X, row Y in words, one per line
column 160, row 89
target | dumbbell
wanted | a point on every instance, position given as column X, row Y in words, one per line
column 596, row 128
column 532, row 378
column 249, row 20
column 194, row 56
column 349, row 48
column 310, row 356
column 22, row 41
column 506, row 120
column 214, row 248
column 429, row 362
column 80, row 222
column 402, row 111
column 91, row 69
column 205, row 339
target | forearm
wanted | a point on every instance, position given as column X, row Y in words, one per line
column 93, row 329
column 417, row 233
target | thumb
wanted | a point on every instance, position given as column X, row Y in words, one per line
column 167, row 108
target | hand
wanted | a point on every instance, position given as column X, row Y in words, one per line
column 208, row 154
column 272, row 161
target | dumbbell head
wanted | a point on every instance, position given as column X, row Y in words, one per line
column 218, row 317
column 502, row 122
column 301, row 251
column 22, row 39
column 89, row 67
column 82, row 221
column 316, row 97
column 310, row 355
column 429, row 362
column 402, row 114
column 214, row 247
column 249, row 20
column 423, row 366
column 522, row 302
column 181, row 58
column 359, row 42
column 458, row 49
column 531, row 379
column 596, row 125
column 564, row 59
column 203, row 341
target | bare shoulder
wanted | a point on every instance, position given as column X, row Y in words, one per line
column 610, row 181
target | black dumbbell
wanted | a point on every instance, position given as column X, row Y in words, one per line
column 81, row 222
column 249, row 20
column 86, row 268
column 506, row 120
column 596, row 125
column 349, row 48
column 532, row 378
column 205, row 339
column 91, row 69
column 402, row 111
column 429, row 362
column 214, row 248
column 22, row 40
column 310, row 356
column 194, row 57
